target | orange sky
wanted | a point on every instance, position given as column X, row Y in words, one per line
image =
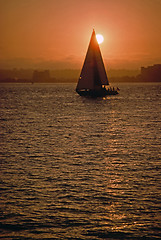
column 58, row 32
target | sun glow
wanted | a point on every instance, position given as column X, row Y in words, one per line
column 99, row 38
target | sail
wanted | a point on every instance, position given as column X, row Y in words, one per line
column 93, row 74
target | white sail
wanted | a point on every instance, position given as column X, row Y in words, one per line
column 93, row 74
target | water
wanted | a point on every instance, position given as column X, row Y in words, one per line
column 79, row 168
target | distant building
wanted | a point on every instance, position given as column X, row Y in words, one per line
column 151, row 73
column 41, row 76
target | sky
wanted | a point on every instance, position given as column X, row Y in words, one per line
column 56, row 33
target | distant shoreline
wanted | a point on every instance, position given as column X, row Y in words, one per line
column 111, row 80
column 146, row 74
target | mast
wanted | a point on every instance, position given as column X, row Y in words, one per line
column 93, row 73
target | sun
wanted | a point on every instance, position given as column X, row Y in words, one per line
column 99, row 38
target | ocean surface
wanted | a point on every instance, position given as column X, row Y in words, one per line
column 80, row 168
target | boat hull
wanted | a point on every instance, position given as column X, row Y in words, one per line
column 96, row 93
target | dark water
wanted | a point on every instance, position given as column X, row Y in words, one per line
column 78, row 168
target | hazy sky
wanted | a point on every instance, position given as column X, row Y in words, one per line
column 60, row 30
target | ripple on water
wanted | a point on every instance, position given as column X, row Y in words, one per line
column 76, row 168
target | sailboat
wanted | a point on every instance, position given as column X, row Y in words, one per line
column 93, row 79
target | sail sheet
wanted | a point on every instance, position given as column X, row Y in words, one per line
column 93, row 74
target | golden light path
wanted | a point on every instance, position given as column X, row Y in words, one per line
column 99, row 38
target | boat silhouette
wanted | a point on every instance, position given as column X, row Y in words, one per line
column 93, row 79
